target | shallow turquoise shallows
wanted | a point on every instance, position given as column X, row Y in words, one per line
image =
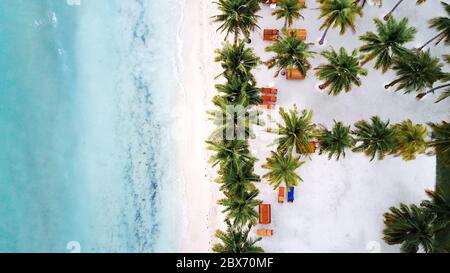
column 87, row 160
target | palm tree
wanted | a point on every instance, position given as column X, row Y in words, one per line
column 415, row 72
column 236, row 183
column 446, row 79
column 441, row 139
column 289, row 10
column 236, row 240
column 440, row 205
column 240, row 91
column 442, row 25
column 410, row 139
column 341, row 72
column 237, row 61
column 241, row 208
column 447, row 58
column 237, row 16
column 231, row 154
column 375, row 139
column 336, row 141
column 387, row 16
column 445, row 94
column 233, row 121
column 282, row 169
column 387, row 42
column 297, row 131
column 338, row 13
column 411, row 227
column 290, row 53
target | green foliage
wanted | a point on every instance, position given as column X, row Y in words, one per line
column 240, row 91
column 289, row 10
column 297, row 131
column 231, row 154
column 411, row 227
column 339, row 13
column 236, row 240
column 442, row 25
column 410, row 139
column 341, row 72
column 375, row 138
column 233, row 121
column 441, row 139
column 387, row 43
column 440, row 205
column 234, row 117
column 237, row 61
column 416, row 72
column 241, row 208
column 442, row 237
column 237, row 17
column 282, row 168
column 235, row 183
column 290, row 52
column 336, row 141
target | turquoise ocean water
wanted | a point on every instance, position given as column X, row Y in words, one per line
column 86, row 153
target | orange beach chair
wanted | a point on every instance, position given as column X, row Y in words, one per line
column 299, row 33
column 269, row 91
column 281, row 193
column 265, row 214
column 268, row 106
column 271, row 34
column 314, row 145
column 294, row 74
column 264, row 232
column 269, row 98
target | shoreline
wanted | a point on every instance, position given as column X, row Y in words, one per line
column 201, row 218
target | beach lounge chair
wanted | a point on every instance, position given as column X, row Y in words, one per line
column 265, row 214
column 264, row 232
column 291, row 195
column 271, row 34
column 299, row 33
column 269, row 98
column 281, row 192
column 294, row 74
column 269, row 91
column 314, row 145
column 268, row 106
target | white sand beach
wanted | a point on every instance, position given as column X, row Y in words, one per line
column 339, row 206
column 200, row 40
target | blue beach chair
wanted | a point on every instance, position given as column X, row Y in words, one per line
column 291, row 195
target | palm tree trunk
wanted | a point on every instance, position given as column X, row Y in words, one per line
column 387, row 16
column 438, row 87
column 363, row 2
column 431, row 40
column 324, row 34
column 285, row 22
column 421, row 95
column 236, row 38
column 366, row 60
column 387, row 86
column 324, row 85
